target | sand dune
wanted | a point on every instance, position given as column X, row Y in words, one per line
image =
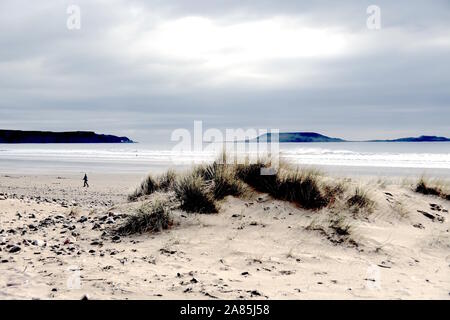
column 55, row 243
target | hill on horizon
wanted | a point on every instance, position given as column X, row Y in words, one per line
column 292, row 137
column 19, row 136
column 298, row 137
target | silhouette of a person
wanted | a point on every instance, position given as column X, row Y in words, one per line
column 85, row 179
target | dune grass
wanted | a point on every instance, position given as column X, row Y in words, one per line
column 167, row 180
column 195, row 194
column 360, row 200
column 147, row 186
column 428, row 188
column 201, row 188
column 341, row 226
column 164, row 182
column 222, row 180
column 150, row 217
column 302, row 187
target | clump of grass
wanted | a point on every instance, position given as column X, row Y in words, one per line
column 147, row 186
column 150, row 217
column 341, row 227
column 343, row 231
column 135, row 195
column 195, row 194
column 300, row 187
column 424, row 188
column 221, row 178
column 206, row 171
column 225, row 183
column 251, row 175
column 334, row 191
column 336, row 229
column 166, row 181
column 360, row 200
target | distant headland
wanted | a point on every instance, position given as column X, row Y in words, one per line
column 293, row 137
column 18, row 136
column 297, row 137
column 416, row 139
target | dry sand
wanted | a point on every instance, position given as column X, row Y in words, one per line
column 254, row 248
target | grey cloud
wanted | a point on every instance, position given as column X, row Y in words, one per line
column 392, row 82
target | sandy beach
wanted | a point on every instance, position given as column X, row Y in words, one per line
column 233, row 152
column 56, row 243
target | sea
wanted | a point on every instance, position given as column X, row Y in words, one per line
column 431, row 159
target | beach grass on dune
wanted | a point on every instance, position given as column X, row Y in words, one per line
column 360, row 200
column 164, row 182
column 435, row 188
column 300, row 187
column 251, row 175
column 194, row 194
column 147, row 186
column 222, row 180
column 150, row 217
column 341, row 226
column 200, row 189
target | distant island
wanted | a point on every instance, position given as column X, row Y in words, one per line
column 296, row 137
column 416, row 139
column 18, row 136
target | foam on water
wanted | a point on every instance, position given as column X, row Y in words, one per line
column 141, row 157
column 319, row 156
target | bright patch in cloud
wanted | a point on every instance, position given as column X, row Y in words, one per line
column 237, row 50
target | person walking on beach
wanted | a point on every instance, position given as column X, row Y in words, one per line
column 85, row 179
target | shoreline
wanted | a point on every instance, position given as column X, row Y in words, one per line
column 49, row 168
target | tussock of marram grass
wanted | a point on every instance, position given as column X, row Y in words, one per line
column 195, row 195
column 360, row 200
column 150, row 217
column 164, row 182
column 222, row 179
column 300, row 187
column 225, row 183
column 424, row 188
column 334, row 191
column 206, row 171
column 340, row 226
column 147, row 186
column 167, row 180
column 135, row 195
column 251, row 175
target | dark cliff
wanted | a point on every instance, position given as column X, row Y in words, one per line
column 18, row 136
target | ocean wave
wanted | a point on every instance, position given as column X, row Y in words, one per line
column 306, row 155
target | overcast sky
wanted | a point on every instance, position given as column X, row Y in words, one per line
column 144, row 68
